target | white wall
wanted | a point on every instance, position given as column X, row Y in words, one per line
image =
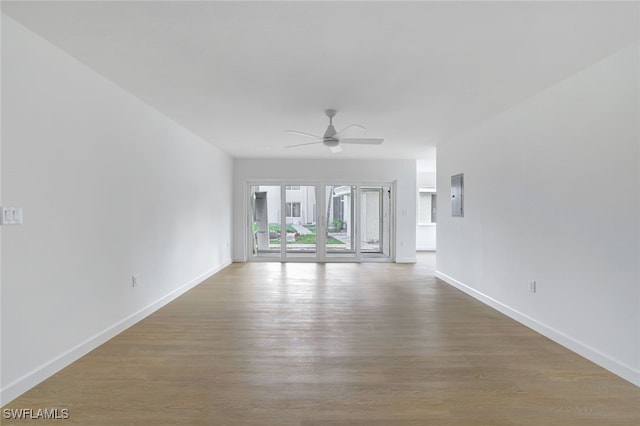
column 426, row 234
column 110, row 188
column 552, row 194
column 402, row 171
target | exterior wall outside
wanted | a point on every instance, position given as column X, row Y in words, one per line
column 305, row 196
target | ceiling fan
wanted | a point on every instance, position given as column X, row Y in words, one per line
column 332, row 139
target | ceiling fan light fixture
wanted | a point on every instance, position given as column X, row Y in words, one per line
column 332, row 139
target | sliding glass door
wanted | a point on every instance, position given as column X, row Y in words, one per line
column 320, row 222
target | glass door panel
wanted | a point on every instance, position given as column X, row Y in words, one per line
column 266, row 214
column 375, row 221
column 386, row 222
column 370, row 220
column 339, row 221
column 300, row 221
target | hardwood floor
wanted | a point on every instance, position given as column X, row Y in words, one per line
column 332, row 344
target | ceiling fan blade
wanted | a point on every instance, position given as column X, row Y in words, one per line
column 335, row 149
column 350, row 126
column 303, row 144
column 363, row 141
column 303, row 134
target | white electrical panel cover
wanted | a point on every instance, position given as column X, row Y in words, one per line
column 457, row 195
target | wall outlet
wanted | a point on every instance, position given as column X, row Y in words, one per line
column 532, row 286
column 134, row 281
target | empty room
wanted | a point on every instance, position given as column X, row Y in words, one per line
column 320, row 213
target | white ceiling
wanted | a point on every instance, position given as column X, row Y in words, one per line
column 240, row 73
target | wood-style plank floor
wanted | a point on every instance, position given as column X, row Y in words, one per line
column 332, row 344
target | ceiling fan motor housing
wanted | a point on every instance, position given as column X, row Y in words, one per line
column 330, row 133
column 331, row 138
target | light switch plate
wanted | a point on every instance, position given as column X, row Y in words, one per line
column 11, row 216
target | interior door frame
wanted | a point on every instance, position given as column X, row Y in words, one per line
column 320, row 191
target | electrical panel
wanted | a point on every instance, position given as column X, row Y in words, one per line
column 457, row 195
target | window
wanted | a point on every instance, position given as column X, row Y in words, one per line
column 293, row 188
column 426, row 206
column 293, row 209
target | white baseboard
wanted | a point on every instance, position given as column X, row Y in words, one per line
column 406, row 259
column 621, row 369
column 31, row 379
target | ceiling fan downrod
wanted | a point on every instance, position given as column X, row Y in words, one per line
column 331, row 131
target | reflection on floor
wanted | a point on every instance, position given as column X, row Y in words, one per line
column 333, row 344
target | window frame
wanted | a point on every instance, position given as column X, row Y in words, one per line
column 290, row 208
